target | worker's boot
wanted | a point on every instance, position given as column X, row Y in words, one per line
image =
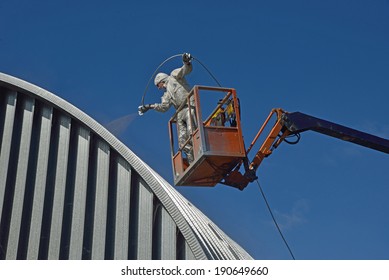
column 189, row 154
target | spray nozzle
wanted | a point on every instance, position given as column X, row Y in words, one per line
column 140, row 110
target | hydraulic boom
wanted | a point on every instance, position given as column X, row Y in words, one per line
column 288, row 124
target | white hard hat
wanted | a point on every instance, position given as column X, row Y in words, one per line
column 161, row 77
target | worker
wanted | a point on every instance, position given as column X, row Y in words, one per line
column 176, row 90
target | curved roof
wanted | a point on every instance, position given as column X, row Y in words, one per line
column 204, row 239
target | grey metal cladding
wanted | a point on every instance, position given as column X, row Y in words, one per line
column 8, row 117
column 41, row 149
column 57, row 185
column 69, row 189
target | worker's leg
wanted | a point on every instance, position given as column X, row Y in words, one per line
column 184, row 133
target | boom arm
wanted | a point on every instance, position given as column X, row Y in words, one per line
column 299, row 122
column 292, row 124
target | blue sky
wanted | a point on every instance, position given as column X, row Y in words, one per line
column 328, row 59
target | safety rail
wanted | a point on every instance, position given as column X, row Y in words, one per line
column 216, row 141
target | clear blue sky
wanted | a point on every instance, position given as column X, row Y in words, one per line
column 329, row 59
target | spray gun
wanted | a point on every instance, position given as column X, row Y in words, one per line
column 140, row 110
column 144, row 108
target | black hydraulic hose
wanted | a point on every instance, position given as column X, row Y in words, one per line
column 209, row 72
column 298, row 137
column 275, row 221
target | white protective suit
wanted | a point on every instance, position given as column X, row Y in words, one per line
column 177, row 90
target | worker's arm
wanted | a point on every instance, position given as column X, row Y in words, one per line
column 179, row 73
column 165, row 104
column 160, row 107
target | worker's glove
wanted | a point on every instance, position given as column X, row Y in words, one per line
column 187, row 58
column 144, row 108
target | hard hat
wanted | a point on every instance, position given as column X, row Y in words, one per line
column 161, row 77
